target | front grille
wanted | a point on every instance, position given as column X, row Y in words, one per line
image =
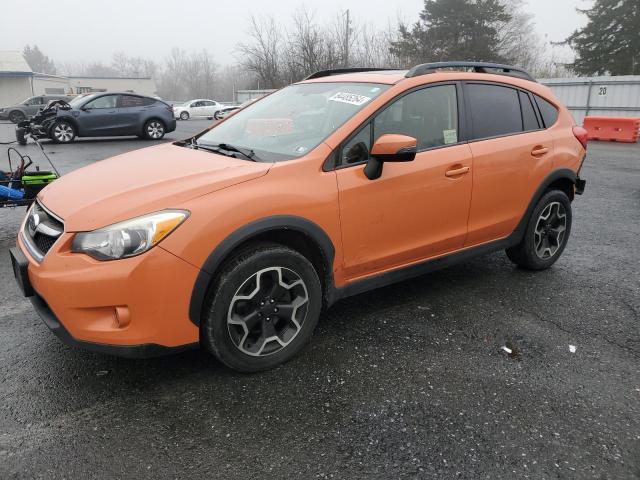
column 43, row 242
column 41, row 230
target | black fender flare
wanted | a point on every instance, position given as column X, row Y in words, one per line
column 560, row 174
column 246, row 233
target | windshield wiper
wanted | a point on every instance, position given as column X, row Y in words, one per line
column 247, row 152
column 228, row 150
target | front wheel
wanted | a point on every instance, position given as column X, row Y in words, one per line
column 547, row 233
column 62, row 132
column 217, row 115
column 154, row 130
column 262, row 309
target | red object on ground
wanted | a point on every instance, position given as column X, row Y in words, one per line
column 613, row 129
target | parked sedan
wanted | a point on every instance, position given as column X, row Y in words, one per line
column 112, row 114
column 29, row 107
column 200, row 108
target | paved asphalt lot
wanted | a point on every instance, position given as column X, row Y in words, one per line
column 405, row 382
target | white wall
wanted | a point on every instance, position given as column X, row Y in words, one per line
column 41, row 84
column 143, row 86
column 598, row 96
column 14, row 90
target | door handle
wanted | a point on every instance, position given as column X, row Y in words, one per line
column 539, row 151
column 457, row 171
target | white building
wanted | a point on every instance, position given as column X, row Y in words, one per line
column 18, row 82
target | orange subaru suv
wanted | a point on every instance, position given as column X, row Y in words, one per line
column 238, row 238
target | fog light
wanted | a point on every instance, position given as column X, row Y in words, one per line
column 123, row 316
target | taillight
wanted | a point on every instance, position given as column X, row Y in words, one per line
column 582, row 135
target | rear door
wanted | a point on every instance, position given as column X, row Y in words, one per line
column 415, row 210
column 130, row 112
column 34, row 105
column 209, row 108
column 512, row 154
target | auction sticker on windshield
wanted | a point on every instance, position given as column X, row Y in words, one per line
column 350, row 98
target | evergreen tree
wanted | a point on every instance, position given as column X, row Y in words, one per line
column 454, row 30
column 38, row 61
column 610, row 42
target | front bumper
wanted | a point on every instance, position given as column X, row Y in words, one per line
column 136, row 307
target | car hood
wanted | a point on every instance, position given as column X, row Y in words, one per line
column 140, row 182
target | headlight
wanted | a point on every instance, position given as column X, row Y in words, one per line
column 128, row 238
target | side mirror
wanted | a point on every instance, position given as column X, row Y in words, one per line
column 390, row 148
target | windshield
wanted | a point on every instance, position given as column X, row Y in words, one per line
column 291, row 122
column 78, row 100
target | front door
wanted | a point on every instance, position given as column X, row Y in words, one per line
column 98, row 117
column 415, row 210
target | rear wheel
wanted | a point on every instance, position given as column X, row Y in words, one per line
column 154, row 129
column 262, row 309
column 547, row 233
column 62, row 132
column 218, row 115
column 184, row 116
column 16, row 116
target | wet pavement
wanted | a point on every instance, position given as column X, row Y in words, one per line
column 409, row 381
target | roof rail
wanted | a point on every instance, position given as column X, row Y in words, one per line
column 478, row 67
column 339, row 71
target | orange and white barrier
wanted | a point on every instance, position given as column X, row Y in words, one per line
column 613, row 129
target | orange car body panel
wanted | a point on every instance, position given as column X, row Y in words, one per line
column 446, row 200
column 390, row 144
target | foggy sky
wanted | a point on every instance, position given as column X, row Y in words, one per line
column 91, row 30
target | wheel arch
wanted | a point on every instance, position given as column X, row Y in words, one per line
column 149, row 119
column 70, row 120
column 297, row 233
column 562, row 179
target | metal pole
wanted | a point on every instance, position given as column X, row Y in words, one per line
column 589, row 98
column 346, row 36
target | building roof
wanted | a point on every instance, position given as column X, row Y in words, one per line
column 13, row 63
column 91, row 77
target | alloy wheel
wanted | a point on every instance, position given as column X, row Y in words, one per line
column 63, row 132
column 267, row 312
column 550, row 230
column 155, row 129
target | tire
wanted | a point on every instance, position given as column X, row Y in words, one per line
column 184, row 116
column 278, row 292
column 16, row 116
column 62, row 132
column 217, row 116
column 154, row 129
column 547, row 233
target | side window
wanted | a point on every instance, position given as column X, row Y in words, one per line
column 207, row 103
column 495, row 110
column 548, row 111
column 529, row 117
column 146, row 101
column 107, row 101
column 429, row 115
column 196, row 104
column 357, row 149
column 127, row 101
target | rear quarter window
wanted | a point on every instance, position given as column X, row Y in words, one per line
column 529, row 117
column 548, row 111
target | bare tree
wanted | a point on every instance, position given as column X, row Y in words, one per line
column 262, row 55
